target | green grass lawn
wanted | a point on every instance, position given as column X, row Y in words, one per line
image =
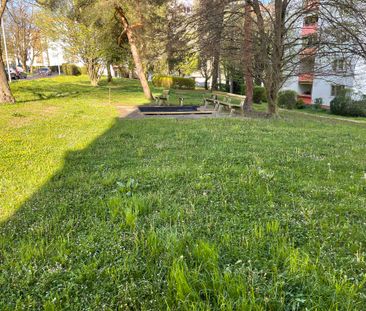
column 99, row 213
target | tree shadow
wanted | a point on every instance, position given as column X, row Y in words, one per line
column 71, row 239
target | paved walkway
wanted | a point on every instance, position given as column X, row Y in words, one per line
column 329, row 118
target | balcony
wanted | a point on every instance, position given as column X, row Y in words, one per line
column 306, row 78
column 308, row 30
column 311, row 5
column 308, row 52
column 306, row 98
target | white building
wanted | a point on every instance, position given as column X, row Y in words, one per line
column 320, row 77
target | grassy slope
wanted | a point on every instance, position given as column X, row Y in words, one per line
column 189, row 214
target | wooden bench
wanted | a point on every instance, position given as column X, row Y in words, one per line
column 227, row 104
column 163, row 98
column 209, row 100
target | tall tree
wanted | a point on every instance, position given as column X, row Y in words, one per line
column 248, row 56
column 136, row 17
column 279, row 47
column 5, row 93
column 22, row 29
column 210, row 25
column 81, row 27
column 129, row 30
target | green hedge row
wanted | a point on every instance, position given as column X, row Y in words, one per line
column 169, row 82
column 345, row 105
column 259, row 95
column 73, row 70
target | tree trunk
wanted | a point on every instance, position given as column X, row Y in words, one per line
column 135, row 53
column 215, row 70
column 206, row 84
column 93, row 73
column 6, row 97
column 272, row 91
column 24, row 61
column 272, row 107
column 109, row 72
column 248, row 58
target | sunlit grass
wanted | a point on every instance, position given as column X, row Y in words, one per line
column 213, row 214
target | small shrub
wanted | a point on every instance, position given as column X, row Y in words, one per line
column 70, row 70
column 54, row 69
column 318, row 103
column 184, row 83
column 300, row 104
column 224, row 88
column 83, row 70
column 344, row 105
column 259, row 95
column 169, row 82
column 287, row 99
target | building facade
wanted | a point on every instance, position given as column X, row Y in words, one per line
column 322, row 73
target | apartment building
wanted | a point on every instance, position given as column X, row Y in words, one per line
column 322, row 74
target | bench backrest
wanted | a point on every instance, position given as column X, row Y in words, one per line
column 243, row 101
column 210, row 96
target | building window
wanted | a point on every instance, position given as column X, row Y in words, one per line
column 311, row 20
column 339, row 65
column 337, row 89
column 310, row 41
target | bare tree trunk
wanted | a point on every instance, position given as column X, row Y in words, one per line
column 135, row 53
column 6, row 97
column 215, row 70
column 24, row 61
column 231, row 87
column 206, row 84
column 248, row 58
column 93, row 72
column 109, row 72
column 5, row 92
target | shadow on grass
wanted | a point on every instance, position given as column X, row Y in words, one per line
column 60, row 247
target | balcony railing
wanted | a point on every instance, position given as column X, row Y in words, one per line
column 311, row 5
column 306, row 98
column 306, row 78
column 308, row 52
column 308, row 30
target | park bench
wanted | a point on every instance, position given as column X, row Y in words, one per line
column 163, row 98
column 227, row 104
column 209, row 100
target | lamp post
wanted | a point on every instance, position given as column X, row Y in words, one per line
column 5, row 47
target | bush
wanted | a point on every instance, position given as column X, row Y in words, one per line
column 259, row 95
column 70, row 70
column 174, row 82
column 83, row 70
column 287, row 99
column 224, row 88
column 318, row 103
column 344, row 105
column 300, row 104
column 54, row 69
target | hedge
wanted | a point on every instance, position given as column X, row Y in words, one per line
column 344, row 105
column 259, row 95
column 174, row 82
column 84, row 70
column 287, row 99
column 71, row 70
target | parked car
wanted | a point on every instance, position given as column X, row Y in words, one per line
column 13, row 74
column 44, row 71
column 21, row 74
